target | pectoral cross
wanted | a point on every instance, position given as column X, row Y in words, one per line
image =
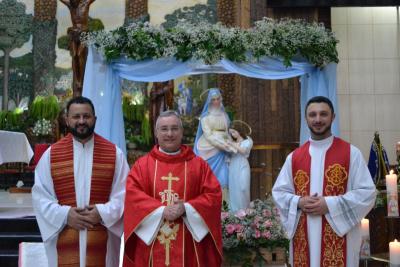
column 169, row 191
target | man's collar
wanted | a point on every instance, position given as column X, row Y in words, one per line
column 88, row 142
column 169, row 153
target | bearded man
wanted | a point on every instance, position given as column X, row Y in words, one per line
column 79, row 193
column 323, row 191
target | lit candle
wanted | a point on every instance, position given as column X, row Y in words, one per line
column 391, row 182
column 365, row 227
column 394, row 252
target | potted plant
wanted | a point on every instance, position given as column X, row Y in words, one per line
column 254, row 235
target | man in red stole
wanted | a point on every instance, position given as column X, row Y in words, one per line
column 173, row 205
column 78, row 194
column 323, row 191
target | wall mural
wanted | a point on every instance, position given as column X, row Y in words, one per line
column 35, row 59
column 39, row 62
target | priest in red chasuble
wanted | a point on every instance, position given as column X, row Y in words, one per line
column 323, row 191
column 173, row 205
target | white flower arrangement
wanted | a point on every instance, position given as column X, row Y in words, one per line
column 286, row 38
column 42, row 128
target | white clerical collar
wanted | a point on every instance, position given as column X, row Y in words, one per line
column 169, row 153
column 89, row 143
column 326, row 141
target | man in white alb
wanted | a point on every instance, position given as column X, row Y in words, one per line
column 323, row 191
column 79, row 192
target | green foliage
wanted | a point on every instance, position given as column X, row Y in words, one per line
column 131, row 111
column 285, row 38
column 136, row 116
column 12, row 120
column 45, row 108
column 15, row 25
column 194, row 14
column 239, row 255
column 146, row 130
column 63, row 42
column 23, row 62
column 21, row 84
column 95, row 24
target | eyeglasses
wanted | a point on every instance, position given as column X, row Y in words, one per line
column 165, row 130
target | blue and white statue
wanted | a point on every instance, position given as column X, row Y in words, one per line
column 212, row 141
column 185, row 101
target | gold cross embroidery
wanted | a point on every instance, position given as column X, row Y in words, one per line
column 169, row 191
column 167, row 234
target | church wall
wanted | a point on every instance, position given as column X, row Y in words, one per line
column 368, row 75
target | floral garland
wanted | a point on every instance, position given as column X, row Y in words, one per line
column 285, row 38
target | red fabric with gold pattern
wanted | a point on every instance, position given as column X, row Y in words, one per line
column 62, row 171
column 336, row 169
column 301, row 181
column 157, row 179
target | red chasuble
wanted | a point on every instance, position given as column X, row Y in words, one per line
column 156, row 180
column 337, row 161
column 62, row 172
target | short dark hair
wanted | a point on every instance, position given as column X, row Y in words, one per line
column 80, row 100
column 320, row 99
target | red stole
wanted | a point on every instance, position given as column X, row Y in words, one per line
column 336, row 169
column 62, row 172
column 159, row 180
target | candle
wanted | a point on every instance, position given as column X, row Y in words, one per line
column 394, row 252
column 391, row 182
column 365, row 227
column 365, row 251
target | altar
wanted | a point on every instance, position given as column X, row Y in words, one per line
column 14, row 147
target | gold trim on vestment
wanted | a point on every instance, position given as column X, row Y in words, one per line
column 184, row 187
column 154, row 182
column 151, row 253
column 183, row 223
column 183, row 243
column 195, row 252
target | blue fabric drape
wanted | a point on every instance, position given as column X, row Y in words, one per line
column 102, row 84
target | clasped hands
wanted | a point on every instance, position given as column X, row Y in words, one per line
column 83, row 218
column 174, row 211
column 313, row 205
